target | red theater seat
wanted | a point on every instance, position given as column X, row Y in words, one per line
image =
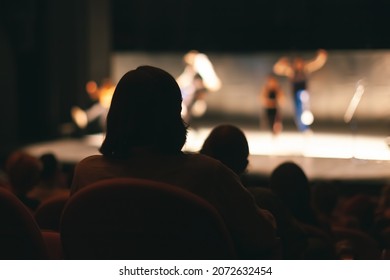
column 48, row 214
column 140, row 219
column 20, row 236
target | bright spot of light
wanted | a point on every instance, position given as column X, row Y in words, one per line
column 307, row 117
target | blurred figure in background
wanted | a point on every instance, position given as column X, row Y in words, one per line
column 298, row 71
column 102, row 96
column 197, row 79
column 52, row 181
column 272, row 98
column 23, row 171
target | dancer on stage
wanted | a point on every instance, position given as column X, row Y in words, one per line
column 298, row 72
column 102, row 95
column 272, row 98
column 197, row 79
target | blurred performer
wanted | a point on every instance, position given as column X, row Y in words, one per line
column 298, row 72
column 102, row 95
column 197, row 79
column 272, row 98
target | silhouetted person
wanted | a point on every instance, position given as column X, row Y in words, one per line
column 228, row 144
column 290, row 183
column 144, row 137
column 52, row 181
column 23, row 171
column 292, row 235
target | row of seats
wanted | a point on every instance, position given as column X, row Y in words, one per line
column 116, row 219
column 128, row 218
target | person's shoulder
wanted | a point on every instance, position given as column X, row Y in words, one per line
column 90, row 160
column 207, row 162
column 201, row 159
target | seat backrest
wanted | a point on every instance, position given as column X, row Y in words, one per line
column 128, row 218
column 20, row 237
column 48, row 214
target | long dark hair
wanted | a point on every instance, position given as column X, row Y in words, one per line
column 145, row 111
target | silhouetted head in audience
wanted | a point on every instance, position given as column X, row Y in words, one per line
column 24, row 172
column 145, row 113
column 229, row 145
column 290, row 183
column 50, row 166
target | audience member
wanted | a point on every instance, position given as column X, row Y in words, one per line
column 228, row 144
column 52, row 181
column 290, row 183
column 292, row 235
column 23, row 172
column 144, row 137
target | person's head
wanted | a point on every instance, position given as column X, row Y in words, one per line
column 229, row 145
column 272, row 82
column 50, row 164
column 145, row 112
column 290, row 183
column 23, row 171
column 298, row 63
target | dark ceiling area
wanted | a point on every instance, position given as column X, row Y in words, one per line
column 239, row 26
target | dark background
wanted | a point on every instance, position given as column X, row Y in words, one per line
column 217, row 25
column 50, row 48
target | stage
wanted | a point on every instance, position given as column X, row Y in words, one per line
column 322, row 155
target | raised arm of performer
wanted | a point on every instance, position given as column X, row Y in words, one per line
column 283, row 67
column 317, row 62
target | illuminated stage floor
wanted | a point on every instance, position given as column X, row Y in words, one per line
column 321, row 155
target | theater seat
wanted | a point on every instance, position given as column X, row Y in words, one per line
column 53, row 244
column 49, row 212
column 139, row 219
column 20, row 236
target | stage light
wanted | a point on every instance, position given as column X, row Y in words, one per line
column 307, row 117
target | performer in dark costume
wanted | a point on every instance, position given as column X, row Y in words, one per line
column 272, row 98
column 298, row 72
